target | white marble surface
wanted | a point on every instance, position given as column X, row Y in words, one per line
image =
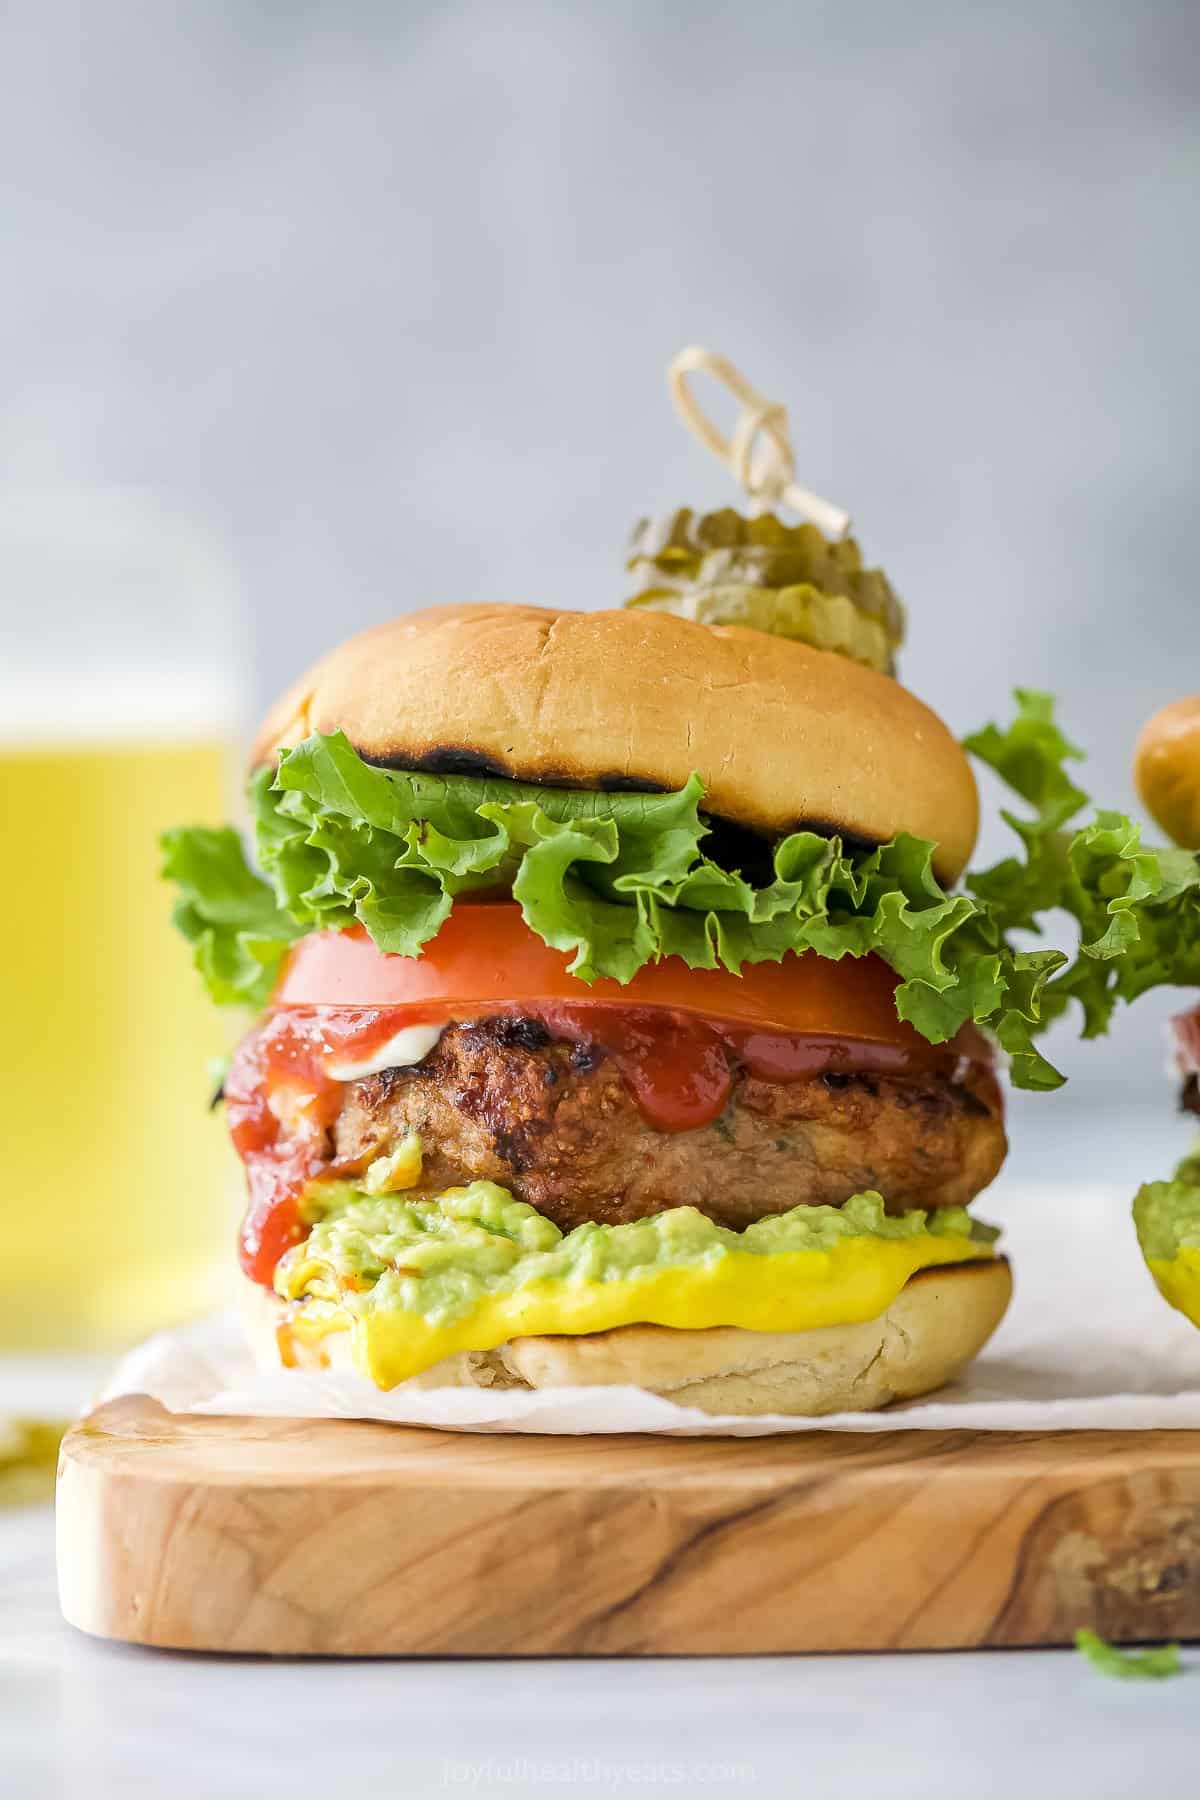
column 79, row 1717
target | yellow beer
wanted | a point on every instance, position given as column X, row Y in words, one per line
column 118, row 1191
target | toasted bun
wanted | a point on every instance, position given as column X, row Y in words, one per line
column 940, row 1319
column 781, row 735
column 1166, row 767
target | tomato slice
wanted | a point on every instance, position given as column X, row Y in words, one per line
column 485, row 955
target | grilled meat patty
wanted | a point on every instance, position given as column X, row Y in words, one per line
column 555, row 1122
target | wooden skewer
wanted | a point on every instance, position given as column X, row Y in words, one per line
column 765, row 470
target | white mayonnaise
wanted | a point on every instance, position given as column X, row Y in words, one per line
column 412, row 1045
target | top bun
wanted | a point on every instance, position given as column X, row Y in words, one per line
column 780, row 734
column 1166, row 767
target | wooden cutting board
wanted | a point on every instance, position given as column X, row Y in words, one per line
column 335, row 1538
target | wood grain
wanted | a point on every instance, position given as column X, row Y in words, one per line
column 354, row 1539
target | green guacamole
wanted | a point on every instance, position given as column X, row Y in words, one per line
column 440, row 1259
column 1167, row 1213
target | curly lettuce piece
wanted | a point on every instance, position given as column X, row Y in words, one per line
column 1136, row 906
column 228, row 914
column 618, row 880
column 1128, row 1665
column 392, row 850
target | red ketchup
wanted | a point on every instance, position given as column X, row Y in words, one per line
column 281, row 1100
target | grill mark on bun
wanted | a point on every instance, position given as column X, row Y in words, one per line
column 458, row 759
column 629, row 784
column 443, row 759
column 738, row 849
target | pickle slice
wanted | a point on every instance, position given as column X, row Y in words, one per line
column 28, row 1459
column 826, row 621
column 724, row 569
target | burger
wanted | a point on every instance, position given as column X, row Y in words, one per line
column 1167, row 1213
column 621, row 1013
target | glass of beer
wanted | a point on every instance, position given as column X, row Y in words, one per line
column 118, row 710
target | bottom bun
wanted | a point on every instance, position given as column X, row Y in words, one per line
column 940, row 1319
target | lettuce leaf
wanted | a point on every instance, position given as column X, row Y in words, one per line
column 1128, row 1665
column 227, row 913
column 619, row 880
column 1136, row 907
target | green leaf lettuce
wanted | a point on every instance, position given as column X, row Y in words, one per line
column 1128, row 1665
column 619, row 880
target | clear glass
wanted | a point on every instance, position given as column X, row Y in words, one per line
column 119, row 706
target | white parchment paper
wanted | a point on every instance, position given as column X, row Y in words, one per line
column 1088, row 1343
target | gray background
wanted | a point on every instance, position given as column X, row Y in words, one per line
column 384, row 293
